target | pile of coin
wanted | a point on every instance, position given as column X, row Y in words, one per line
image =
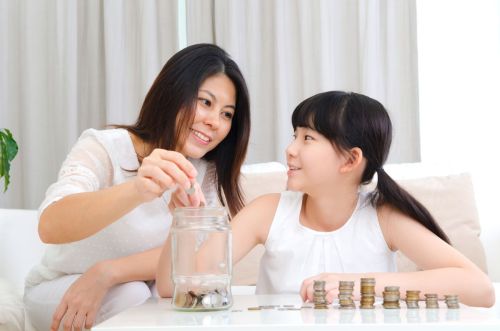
column 345, row 294
column 319, row 295
column 431, row 301
column 412, row 298
column 452, row 301
column 367, row 293
column 207, row 300
column 391, row 297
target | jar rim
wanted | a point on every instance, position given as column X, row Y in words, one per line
column 200, row 212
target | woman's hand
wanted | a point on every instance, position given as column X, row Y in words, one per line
column 192, row 197
column 163, row 170
column 331, row 287
column 82, row 300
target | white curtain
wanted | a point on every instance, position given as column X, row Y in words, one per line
column 67, row 65
column 291, row 49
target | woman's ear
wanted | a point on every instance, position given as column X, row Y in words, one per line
column 353, row 160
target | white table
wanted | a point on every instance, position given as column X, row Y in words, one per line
column 158, row 314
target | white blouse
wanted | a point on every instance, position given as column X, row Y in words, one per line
column 101, row 159
column 294, row 252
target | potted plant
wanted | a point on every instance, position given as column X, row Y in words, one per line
column 8, row 150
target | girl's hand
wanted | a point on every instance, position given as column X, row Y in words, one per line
column 82, row 300
column 193, row 197
column 163, row 170
column 331, row 287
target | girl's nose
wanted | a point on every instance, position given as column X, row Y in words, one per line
column 291, row 149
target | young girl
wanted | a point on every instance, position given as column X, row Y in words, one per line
column 326, row 228
column 107, row 216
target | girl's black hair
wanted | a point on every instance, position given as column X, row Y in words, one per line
column 351, row 120
column 169, row 110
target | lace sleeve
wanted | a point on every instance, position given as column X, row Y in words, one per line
column 87, row 168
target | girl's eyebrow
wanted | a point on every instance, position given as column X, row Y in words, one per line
column 214, row 98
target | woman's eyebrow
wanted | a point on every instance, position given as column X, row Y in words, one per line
column 213, row 97
column 209, row 93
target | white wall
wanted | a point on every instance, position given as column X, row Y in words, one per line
column 459, row 87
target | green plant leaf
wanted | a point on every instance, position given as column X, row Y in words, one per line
column 12, row 147
column 8, row 150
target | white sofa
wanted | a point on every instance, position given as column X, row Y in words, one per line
column 449, row 196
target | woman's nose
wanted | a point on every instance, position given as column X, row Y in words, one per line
column 212, row 118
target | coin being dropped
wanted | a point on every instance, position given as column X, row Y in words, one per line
column 212, row 300
column 191, row 190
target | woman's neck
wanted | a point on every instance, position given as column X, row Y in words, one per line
column 142, row 149
column 328, row 212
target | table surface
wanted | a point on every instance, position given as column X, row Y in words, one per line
column 158, row 314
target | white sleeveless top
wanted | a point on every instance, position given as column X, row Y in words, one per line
column 101, row 159
column 294, row 252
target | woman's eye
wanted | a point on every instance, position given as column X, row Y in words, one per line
column 228, row 115
column 308, row 137
column 205, row 102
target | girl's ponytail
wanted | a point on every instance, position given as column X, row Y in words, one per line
column 352, row 120
column 388, row 191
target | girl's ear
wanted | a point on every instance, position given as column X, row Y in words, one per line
column 353, row 159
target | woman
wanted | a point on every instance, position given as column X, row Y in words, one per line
column 107, row 214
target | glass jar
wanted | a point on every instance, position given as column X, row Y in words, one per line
column 201, row 259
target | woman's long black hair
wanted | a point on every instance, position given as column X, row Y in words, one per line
column 169, row 110
column 352, row 120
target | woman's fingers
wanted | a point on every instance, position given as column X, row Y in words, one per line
column 69, row 317
column 180, row 160
column 196, row 198
column 79, row 320
column 58, row 315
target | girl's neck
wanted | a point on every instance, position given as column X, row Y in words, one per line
column 328, row 212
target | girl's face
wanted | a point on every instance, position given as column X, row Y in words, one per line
column 312, row 161
column 214, row 113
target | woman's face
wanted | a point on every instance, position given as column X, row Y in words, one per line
column 215, row 110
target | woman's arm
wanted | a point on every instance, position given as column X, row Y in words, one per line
column 249, row 228
column 80, row 215
column 445, row 270
column 82, row 300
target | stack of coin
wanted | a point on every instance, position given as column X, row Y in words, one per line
column 367, row 293
column 452, row 301
column 319, row 295
column 412, row 298
column 345, row 294
column 391, row 297
column 431, row 301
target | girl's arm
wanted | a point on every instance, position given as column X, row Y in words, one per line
column 445, row 270
column 249, row 228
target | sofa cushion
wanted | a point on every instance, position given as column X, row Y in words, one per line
column 20, row 246
column 449, row 198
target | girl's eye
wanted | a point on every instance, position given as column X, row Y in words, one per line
column 227, row 114
column 294, row 136
column 205, row 102
column 308, row 137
